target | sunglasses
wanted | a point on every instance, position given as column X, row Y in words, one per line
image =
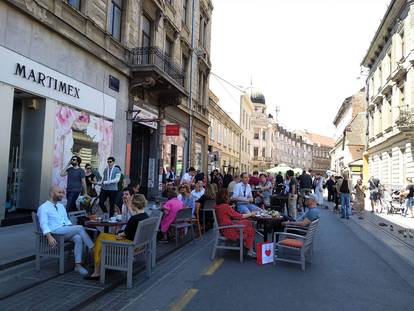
column 74, row 159
column 109, row 161
column 88, row 168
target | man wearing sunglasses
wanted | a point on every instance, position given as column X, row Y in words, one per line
column 76, row 182
column 242, row 194
column 109, row 186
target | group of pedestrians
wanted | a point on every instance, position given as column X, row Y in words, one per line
column 85, row 182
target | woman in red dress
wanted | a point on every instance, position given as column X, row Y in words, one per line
column 225, row 216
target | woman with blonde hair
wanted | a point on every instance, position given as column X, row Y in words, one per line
column 138, row 203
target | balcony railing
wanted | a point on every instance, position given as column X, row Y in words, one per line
column 156, row 57
column 405, row 121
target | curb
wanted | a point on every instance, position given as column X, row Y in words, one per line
column 16, row 262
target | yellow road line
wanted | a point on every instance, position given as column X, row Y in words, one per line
column 184, row 299
column 214, row 266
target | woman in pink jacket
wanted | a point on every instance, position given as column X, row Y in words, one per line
column 170, row 208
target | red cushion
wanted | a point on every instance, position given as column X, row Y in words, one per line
column 292, row 243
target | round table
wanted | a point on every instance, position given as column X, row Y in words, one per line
column 269, row 224
column 104, row 223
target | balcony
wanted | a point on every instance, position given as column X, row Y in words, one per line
column 152, row 69
column 405, row 121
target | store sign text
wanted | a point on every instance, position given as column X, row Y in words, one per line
column 47, row 81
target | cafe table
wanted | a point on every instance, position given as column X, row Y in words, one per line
column 269, row 224
column 105, row 223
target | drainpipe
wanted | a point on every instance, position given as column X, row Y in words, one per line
column 190, row 133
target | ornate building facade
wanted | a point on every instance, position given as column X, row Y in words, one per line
column 390, row 126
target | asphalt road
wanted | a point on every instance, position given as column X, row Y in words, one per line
column 346, row 275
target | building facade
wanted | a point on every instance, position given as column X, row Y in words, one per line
column 224, row 139
column 170, row 66
column 64, row 91
column 246, row 113
column 292, row 149
column 263, row 134
column 389, row 149
column 349, row 139
column 99, row 78
column 321, row 147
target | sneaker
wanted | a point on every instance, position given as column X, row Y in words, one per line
column 81, row 270
column 342, row 216
column 251, row 254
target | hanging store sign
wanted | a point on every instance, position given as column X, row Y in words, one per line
column 145, row 117
column 172, row 130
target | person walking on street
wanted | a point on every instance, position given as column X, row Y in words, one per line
column 293, row 194
column 330, row 185
column 76, row 182
column 319, row 190
column 53, row 218
column 373, row 186
column 359, row 204
column 345, row 187
column 408, row 193
column 111, row 177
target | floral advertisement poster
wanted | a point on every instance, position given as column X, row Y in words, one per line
column 92, row 134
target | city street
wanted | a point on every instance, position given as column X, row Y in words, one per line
column 347, row 274
column 131, row 130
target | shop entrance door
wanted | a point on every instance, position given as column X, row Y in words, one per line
column 25, row 156
column 140, row 148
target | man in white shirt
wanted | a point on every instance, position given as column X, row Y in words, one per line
column 54, row 219
column 242, row 193
column 109, row 189
column 188, row 177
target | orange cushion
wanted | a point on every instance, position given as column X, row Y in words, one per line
column 292, row 243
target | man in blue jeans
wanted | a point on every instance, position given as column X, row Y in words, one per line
column 242, row 193
column 76, row 183
column 345, row 187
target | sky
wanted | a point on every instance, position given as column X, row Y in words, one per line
column 304, row 55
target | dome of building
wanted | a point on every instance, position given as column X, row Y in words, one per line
column 257, row 97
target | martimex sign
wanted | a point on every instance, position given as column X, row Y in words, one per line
column 46, row 81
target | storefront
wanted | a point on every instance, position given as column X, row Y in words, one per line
column 46, row 118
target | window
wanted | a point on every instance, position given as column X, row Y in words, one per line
column 219, row 133
column 146, row 32
column 212, row 129
column 185, row 68
column 115, row 19
column 185, row 11
column 402, row 45
column 256, row 135
column 389, row 62
column 75, row 3
column 402, row 96
column 202, row 33
column 169, row 48
column 256, row 152
column 263, row 135
column 201, row 87
column 263, row 152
